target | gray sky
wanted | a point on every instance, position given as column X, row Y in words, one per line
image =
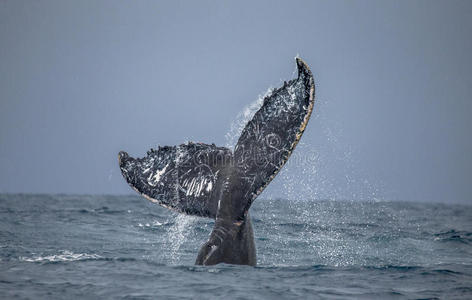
column 81, row 80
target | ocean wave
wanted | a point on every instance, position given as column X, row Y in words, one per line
column 63, row 256
column 454, row 236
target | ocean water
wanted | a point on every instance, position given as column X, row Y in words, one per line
column 63, row 247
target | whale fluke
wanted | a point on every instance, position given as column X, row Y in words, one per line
column 271, row 135
column 210, row 181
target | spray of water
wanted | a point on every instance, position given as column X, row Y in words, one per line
column 328, row 170
column 325, row 171
column 177, row 234
column 242, row 118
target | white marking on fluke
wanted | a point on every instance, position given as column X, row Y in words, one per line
column 153, row 180
column 198, row 185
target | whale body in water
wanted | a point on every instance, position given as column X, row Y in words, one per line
column 215, row 182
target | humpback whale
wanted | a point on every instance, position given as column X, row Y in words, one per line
column 216, row 182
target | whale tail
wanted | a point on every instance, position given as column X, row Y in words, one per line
column 215, row 182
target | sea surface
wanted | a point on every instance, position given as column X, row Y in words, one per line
column 99, row 247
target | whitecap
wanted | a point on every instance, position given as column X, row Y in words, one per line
column 63, row 256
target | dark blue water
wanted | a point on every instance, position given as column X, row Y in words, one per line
column 60, row 247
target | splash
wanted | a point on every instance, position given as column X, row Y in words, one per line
column 328, row 170
column 325, row 171
column 242, row 118
column 177, row 235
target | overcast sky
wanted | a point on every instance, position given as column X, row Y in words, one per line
column 82, row 80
